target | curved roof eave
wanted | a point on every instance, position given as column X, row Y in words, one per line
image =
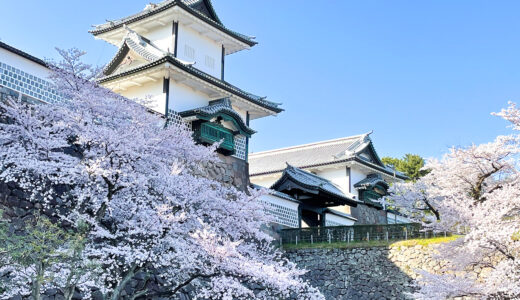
column 220, row 109
column 140, row 16
column 387, row 172
column 287, row 175
column 199, row 74
column 23, row 54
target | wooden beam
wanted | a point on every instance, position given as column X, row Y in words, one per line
column 166, row 90
column 215, row 96
column 223, row 56
column 175, row 32
column 117, row 88
column 247, row 138
column 150, row 78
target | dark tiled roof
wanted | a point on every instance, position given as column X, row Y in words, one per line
column 187, row 5
column 276, row 193
column 299, row 156
column 216, row 107
column 23, row 54
column 313, row 182
column 137, row 43
column 370, row 181
column 284, row 196
column 151, row 53
column 205, row 7
column 317, row 154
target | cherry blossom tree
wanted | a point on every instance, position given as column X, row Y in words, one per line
column 102, row 160
column 478, row 188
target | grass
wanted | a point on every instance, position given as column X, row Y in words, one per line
column 425, row 242
column 368, row 244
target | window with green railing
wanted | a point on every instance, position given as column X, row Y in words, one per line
column 211, row 133
column 371, row 196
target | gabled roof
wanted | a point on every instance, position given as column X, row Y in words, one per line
column 275, row 193
column 295, row 178
column 144, row 48
column 202, row 9
column 139, row 44
column 371, row 181
column 220, row 108
column 357, row 148
column 23, row 54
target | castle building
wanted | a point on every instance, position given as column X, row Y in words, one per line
column 173, row 54
column 328, row 183
column 24, row 77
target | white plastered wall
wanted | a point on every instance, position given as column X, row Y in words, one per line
column 183, row 97
column 265, row 181
column 285, row 212
column 356, row 176
column 242, row 113
column 334, row 220
column 24, row 64
column 203, row 47
column 162, row 37
column 152, row 91
column 338, row 176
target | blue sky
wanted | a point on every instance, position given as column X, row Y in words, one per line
column 423, row 75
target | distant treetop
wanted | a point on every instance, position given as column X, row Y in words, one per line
column 411, row 165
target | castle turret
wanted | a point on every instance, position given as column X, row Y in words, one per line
column 173, row 54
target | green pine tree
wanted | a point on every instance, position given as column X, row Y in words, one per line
column 411, row 165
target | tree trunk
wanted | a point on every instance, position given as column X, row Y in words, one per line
column 69, row 292
column 37, row 281
column 117, row 291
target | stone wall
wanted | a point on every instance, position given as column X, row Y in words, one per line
column 230, row 170
column 236, row 172
column 367, row 273
column 368, row 215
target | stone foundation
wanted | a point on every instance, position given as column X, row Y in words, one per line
column 368, row 273
column 368, row 215
column 236, row 172
column 230, row 170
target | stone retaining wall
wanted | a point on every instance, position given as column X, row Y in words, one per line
column 229, row 170
column 368, row 215
column 366, row 273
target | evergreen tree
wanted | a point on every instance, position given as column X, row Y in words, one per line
column 411, row 165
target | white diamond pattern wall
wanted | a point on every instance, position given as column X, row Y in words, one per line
column 282, row 214
column 240, row 147
column 27, row 84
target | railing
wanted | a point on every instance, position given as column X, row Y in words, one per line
column 212, row 133
column 355, row 233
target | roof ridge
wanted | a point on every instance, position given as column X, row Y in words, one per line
column 312, row 175
column 201, row 74
column 308, row 145
column 138, row 44
column 164, row 5
column 23, row 54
